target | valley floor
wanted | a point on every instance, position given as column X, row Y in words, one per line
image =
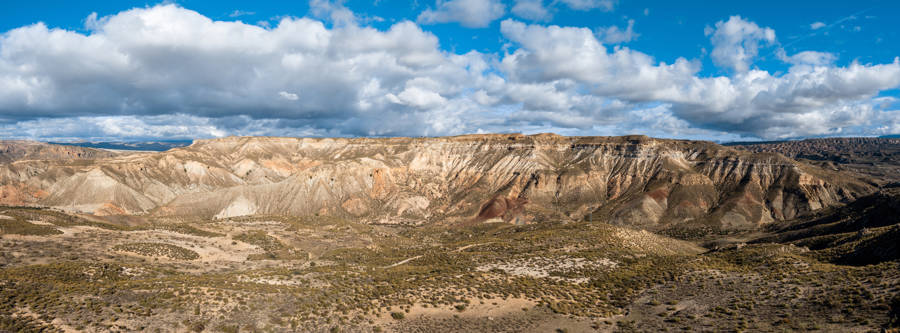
column 60, row 272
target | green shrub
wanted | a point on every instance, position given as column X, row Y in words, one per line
column 158, row 249
column 19, row 226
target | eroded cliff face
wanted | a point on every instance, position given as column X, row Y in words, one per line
column 637, row 181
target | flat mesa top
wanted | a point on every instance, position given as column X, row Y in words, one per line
column 511, row 137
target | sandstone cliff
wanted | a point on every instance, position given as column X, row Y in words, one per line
column 633, row 180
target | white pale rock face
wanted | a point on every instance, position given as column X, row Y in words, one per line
column 239, row 207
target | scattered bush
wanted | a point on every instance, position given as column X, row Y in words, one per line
column 157, row 250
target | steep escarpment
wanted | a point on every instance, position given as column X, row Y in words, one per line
column 634, row 180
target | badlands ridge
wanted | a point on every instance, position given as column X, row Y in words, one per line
column 637, row 181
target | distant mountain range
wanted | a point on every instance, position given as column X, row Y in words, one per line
column 135, row 145
column 747, row 143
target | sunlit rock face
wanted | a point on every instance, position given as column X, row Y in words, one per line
column 634, row 180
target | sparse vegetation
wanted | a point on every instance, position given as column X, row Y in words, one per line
column 18, row 226
column 365, row 278
column 274, row 249
column 187, row 230
column 158, row 250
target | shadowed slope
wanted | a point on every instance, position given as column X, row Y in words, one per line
column 864, row 232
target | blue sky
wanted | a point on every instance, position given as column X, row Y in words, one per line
column 743, row 70
column 668, row 30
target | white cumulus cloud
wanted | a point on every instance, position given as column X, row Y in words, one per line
column 170, row 60
column 616, row 35
column 811, row 58
column 813, row 98
column 169, row 72
column 288, row 96
column 531, row 10
column 468, row 13
column 606, row 5
column 736, row 42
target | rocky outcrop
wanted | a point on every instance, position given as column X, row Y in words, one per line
column 503, row 209
column 633, row 180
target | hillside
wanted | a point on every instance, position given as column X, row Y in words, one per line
column 17, row 150
column 694, row 187
column 480, row 233
column 864, row 232
column 875, row 158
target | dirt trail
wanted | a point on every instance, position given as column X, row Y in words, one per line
column 459, row 249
